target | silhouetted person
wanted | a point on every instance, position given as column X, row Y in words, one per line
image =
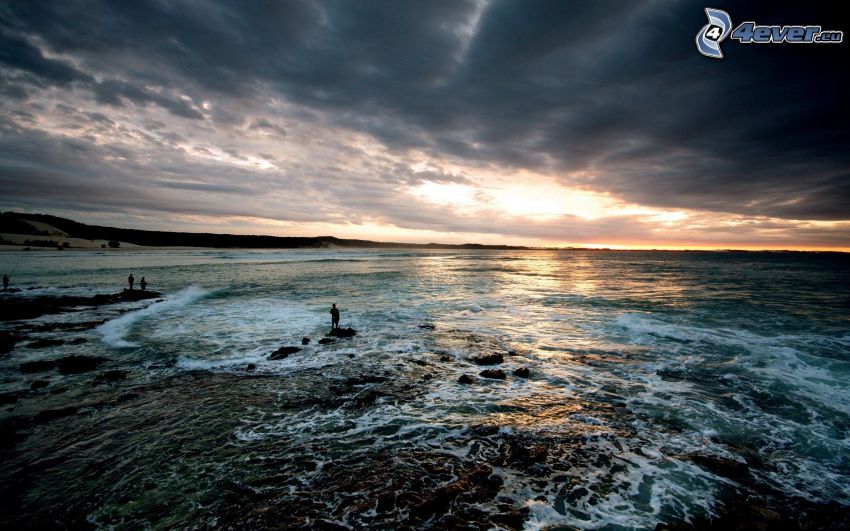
column 130, row 280
column 5, row 282
column 143, row 284
column 334, row 317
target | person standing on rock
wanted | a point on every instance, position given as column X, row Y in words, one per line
column 334, row 317
column 143, row 284
column 5, row 282
column 131, row 279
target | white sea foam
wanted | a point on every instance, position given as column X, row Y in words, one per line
column 114, row 332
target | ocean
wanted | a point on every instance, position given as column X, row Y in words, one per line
column 663, row 387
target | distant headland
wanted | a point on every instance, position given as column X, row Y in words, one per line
column 46, row 231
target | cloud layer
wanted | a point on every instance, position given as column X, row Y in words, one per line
column 347, row 116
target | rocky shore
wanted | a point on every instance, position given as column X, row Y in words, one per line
column 13, row 308
column 113, row 448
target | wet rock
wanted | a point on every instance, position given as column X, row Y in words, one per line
column 478, row 486
column 490, row 359
column 68, row 327
column 326, row 340
column 445, row 357
column 10, row 431
column 251, row 367
column 427, row 377
column 343, row 332
column 138, row 295
column 465, row 379
column 7, row 342
column 512, row 518
column 111, row 376
column 39, row 384
column 9, row 398
column 127, row 397
column 305, row 340
column 44, row 343
column 722, row 466
column 495, row 374
column 363, row 380
column 369, row 398
column 528, row 454
column 438, row 502
column 522, row 372
column 75, row 364
column 37, row 366
column 14, row 309
column 283, row 353
column 427, row 326
column 78, row 341
column 51, row 414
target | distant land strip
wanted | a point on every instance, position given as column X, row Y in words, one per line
column 18, row 223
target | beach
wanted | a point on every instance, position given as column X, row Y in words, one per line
column 664, row 390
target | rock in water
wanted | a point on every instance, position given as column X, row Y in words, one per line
column 139, row 295
column 283, row 352
column 496, row 374
column 326, row 340
column 44, row 343
column 465, row 379
column 111, row 376
column 490, row 359
column 251, row 367
column 74, row 364
column 305, row 340
column 522, row 372
column 37, row 366
column 7, row 342
column 343, row 332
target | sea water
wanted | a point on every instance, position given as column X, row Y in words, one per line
column 639, row 361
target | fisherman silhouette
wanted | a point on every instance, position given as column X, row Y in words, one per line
column 5, row 282
column 334, row 317
column 143, row 284
column 130, row 280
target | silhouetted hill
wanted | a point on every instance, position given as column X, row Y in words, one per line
column 14, row 222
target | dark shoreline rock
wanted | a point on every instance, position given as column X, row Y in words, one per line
column 326, row 341
column 283, row 353
column 44, row 343
column 7, row 342
column 111, row 376
column 37, row 366
column 494, row 374
column 343, row 332
column 19, row 308
column 489, row 359
column 305, row 340
column 75, row 364
column 465, row 379
column 522, row 372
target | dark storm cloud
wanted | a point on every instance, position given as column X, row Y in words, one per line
column 18, row 54
column 610, row 95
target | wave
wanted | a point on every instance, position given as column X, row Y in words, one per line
column 114, row 332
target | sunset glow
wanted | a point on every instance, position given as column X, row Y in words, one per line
column 536, row 158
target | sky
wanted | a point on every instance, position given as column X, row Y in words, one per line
column 538, row 123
